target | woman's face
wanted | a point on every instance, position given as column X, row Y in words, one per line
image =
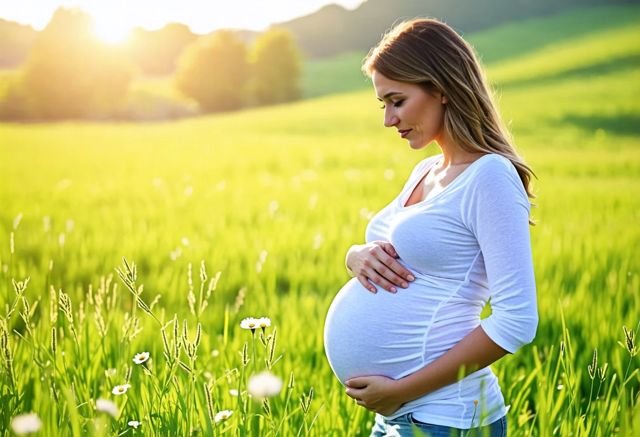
column 416, row 114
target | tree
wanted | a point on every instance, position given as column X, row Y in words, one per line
column 275, row 61
column 69, row 73
column 157, row 51
column 213, row 71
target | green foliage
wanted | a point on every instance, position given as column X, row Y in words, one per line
column 214, row 71
column 70, row 74
column 15, row 41
column 156, row 52
column 275, row 63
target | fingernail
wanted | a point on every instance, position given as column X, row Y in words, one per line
column 373, row 290
column 393, row 289
column 405, row 285
column 411, row 278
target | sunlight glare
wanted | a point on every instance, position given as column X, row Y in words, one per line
column 111, row 31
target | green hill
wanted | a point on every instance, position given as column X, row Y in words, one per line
column 582, row 41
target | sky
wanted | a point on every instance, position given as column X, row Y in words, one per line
column 202, row 16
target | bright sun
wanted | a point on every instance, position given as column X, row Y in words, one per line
column 111, row 31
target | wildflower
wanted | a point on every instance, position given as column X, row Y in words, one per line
column 133, row 424
column 120, row 389
column 215, row 353
column 233, row 392
column 110, row 372
column 26, row 423
column 141, row 357
column 264, row 384
column 249, row 323
column 223, row 415
column 560, row 387
column 264, row 322
column 107, row 406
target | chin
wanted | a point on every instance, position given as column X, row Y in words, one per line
column 417, row 145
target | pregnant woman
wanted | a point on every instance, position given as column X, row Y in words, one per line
column 404, row 335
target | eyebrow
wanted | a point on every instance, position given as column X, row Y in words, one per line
column 389, row 94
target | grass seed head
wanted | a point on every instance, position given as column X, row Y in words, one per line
column 207, row 395
column 630, row 341
column 54, row 341
column 245, row 354
column 593, row 367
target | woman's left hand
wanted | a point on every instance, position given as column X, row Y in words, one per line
column 375, row 393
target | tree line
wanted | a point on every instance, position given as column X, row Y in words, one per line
column 69, row 73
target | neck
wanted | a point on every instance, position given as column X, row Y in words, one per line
column 453, row 154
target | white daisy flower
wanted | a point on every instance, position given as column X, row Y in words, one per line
column 107, row 406
column 249, row 323
column 233, row 392
column 141, row 357
column 133, row 424
column 264, row 322
column 215, row 353
column 264, row 384
column 26, row 423
column 223, row 415
column 120, row 389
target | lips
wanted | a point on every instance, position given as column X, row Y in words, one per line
column 404, row 132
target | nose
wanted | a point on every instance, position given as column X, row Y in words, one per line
column 390, row 118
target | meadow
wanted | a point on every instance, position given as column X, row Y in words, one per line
column 121, row 238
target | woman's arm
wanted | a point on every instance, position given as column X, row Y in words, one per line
column 385, row 395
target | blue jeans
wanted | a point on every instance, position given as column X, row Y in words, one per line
column 406, row 426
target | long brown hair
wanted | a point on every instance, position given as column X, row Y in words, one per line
column 431, row 54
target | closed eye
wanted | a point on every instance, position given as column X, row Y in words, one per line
column 395, row 105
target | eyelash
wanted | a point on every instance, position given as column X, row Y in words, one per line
column 396, row 104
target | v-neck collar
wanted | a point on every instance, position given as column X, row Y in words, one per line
column 405, row 198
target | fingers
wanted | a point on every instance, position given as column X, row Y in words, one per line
column 377, row 265
column 399, row 271
column 366, row 284
column 388, row 247
column 356, row 383
column 381, row 281
column 390, row 269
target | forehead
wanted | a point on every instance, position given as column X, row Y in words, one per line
column 385, row 86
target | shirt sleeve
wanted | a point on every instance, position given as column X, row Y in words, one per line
column 497, row 212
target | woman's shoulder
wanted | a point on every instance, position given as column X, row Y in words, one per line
column 492, row 164
column 495, row 174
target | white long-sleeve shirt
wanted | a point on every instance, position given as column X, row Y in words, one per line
column 466, row 244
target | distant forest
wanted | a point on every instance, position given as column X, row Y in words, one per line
column 329, row 31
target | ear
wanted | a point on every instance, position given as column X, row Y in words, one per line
column 444, row 100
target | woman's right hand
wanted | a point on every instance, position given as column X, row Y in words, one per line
column 376, row 263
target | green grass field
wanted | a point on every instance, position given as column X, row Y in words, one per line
column 272, row 198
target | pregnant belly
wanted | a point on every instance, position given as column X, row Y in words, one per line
column 379, row 334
